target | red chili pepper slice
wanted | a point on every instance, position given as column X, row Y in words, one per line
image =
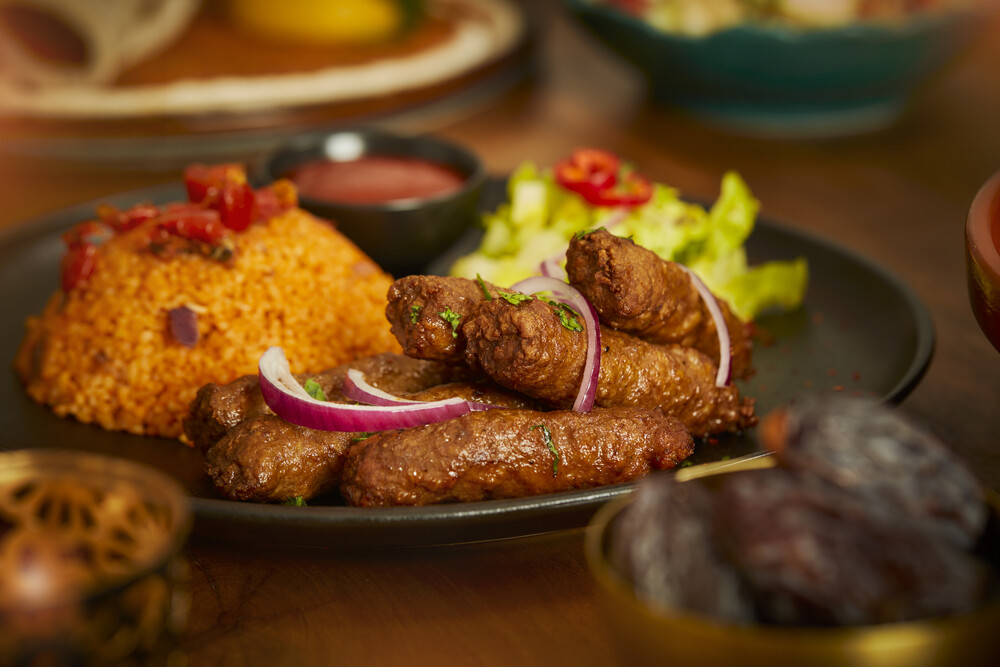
column 630, row 191
column 599, row 178
column 123, row 221
column 276, row 198
column 588, row 170
column 77, row 265
column 194, row 222
column 222, row 187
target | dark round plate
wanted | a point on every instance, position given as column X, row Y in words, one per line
column 860, row 331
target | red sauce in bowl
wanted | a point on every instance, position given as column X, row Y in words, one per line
column 374, row 180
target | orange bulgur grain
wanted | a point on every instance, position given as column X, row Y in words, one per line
column 102, row 353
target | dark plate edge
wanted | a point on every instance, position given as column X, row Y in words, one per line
column 218, row 519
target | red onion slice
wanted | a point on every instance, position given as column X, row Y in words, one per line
column 550, row 269
column 357, row 388
column 565, row 293
column 286, row 397
column 725, row 351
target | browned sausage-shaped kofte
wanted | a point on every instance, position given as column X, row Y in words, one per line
column 524, row 345
column 266, row 459
column 426, row 314
column 511, row 454
column 634, row 290
column 217, row 409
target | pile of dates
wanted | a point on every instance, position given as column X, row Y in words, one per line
column 867, row 518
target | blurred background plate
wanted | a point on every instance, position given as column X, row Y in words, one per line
column 221, row 92
column 775, row 80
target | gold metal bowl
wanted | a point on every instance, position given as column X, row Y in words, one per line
column 663, row 636
column 90, row 559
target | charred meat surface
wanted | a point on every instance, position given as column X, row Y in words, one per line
column 511, row 454
column 526, row 347
column 266, row 459
column 218, row 408
column 634, row 290
column 426, row 314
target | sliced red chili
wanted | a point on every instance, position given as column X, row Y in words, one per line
column 123, row 221
column 632, row 190
column 223, row 187
column 276, row 198
column 77, row 265
column 599, row 177
column 195, row 223
column 588, row 170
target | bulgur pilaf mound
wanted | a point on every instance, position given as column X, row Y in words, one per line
column 103, row 352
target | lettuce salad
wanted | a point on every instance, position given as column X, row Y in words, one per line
column 540, row 217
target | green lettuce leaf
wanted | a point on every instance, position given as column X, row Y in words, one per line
column 541, row 217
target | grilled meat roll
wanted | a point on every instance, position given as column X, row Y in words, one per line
column 426, row 314
column 634, row 290
column 266, row 459
column 527, row 348
column 218, row 408
column 511, row 454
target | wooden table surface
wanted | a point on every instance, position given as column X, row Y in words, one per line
column 899, row 196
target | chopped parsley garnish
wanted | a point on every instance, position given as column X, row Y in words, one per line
column 415, row 312
column 452, row 318
column 514, row 298
column 547, row 437
column 568, row 317
column 482, row 286
column 314, row 389
column 583, row 232
column 297, row 501
column 363, row 435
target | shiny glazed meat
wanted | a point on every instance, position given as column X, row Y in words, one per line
column 525, row 347
column 218, row 408
column 511, row 454
column 634, row 290
column 266, row 459
column 426, row 314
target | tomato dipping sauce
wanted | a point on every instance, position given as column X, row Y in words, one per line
column 374, row 180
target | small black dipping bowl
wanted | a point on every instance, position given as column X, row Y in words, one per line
column 401, row 235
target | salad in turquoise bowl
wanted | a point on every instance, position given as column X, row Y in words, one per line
column 786, row 67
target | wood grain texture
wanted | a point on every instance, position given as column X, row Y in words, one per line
column 899, row 196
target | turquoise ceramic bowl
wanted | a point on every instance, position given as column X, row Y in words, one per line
column 776, row 80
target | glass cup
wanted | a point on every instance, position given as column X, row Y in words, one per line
column 91, row 569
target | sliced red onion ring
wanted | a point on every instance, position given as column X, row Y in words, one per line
column 550, row 269
column 565, row 293
column 357, row 388
column 725, row 352
column 286, row 397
